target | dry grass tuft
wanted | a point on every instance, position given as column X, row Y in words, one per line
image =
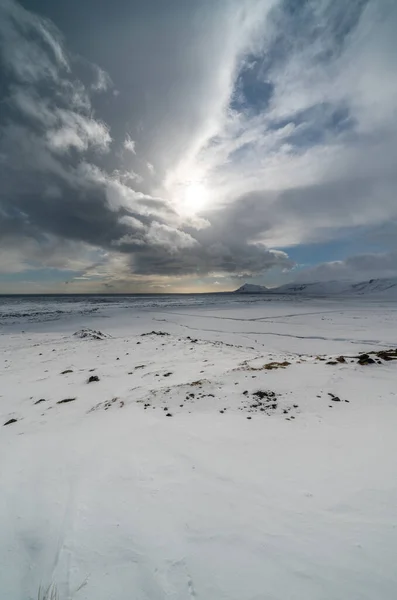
column 50, row 593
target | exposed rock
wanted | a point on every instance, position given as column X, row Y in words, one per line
column 387, row 355
column 10, row 422
column 66, row 400
column 364, row 359
column 268, row 366
column 340, row 359
column 161, row 333
column 67, row 371
column 264, row 394
column 93, row 378
column 90, row 334
column 106, row 405
column 40, row 401
column 276, row 365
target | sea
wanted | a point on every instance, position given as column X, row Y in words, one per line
column 20, row 309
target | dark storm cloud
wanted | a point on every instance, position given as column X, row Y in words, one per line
column 235, row 258
column 54, row 151
column 49, row 136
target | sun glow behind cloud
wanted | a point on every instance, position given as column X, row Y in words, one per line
column 187, row 189
column 195, row 197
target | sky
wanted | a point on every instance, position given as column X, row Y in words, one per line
column 191, row 146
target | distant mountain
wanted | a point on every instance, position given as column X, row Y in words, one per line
column 374, row 287
column 385, row 288
column 248, row 288
column 315, row 288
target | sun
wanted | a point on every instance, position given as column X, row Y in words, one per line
column 194, row 196
column 188, row 190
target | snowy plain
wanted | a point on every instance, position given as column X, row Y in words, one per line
column 218, row 456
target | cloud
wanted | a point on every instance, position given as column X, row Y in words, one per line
column 313, row 152
column 277, row 132
column 30, row 63
column 26, row 254
column 102, row 82
column 129, row 144
column 49, row 136
column 358, row 268
column 238, row 259
column 54, row 187
column 164, row 236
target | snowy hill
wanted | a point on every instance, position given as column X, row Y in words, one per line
column 384, row 288
column 249, row 288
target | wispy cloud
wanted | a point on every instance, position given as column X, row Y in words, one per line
column 129, row 144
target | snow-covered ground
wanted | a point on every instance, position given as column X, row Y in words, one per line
column 218, row 457
column 381, row 289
